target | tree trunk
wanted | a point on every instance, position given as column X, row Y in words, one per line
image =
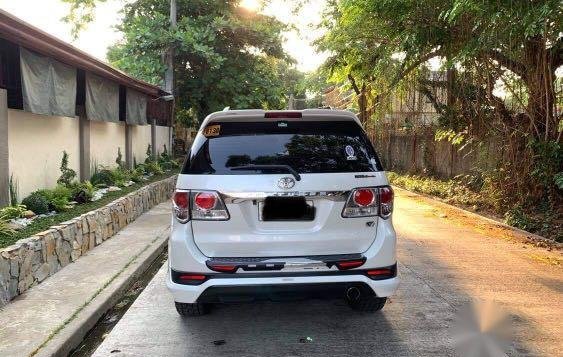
column 362, row 105
column 540, row 81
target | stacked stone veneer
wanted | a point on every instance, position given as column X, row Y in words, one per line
column 30, row 261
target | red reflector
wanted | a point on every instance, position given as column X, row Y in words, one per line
column 181, row 199
column 205, row 200
column 192, row 277
column 379, row 272
column 224, row 268
column 277, row 115
column 349, row 264
column 364, row 197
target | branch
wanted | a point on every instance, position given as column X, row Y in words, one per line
column 505, row 61
column 414, row 65
column 354, row 85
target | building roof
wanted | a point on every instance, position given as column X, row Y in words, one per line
column 17, row 31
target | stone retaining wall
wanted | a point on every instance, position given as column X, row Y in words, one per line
column 30, row 261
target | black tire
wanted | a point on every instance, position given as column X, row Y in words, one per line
column 367, row 303
column 190, row 310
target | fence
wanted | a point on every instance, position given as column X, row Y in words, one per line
column 419, row 152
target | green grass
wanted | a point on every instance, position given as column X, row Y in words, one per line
column 458, row 192
column 451, row 191
column 42, row 224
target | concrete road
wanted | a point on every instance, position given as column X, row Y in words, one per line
column 447, row 260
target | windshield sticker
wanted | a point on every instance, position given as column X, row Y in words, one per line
column 350, row 154
column 212, row 130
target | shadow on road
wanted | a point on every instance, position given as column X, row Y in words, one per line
column 314, row 327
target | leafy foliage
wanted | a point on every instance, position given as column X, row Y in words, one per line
column 478, row 194
column 381, row 48
column 81, row 192
column 13, row 189
column 12, row 212
column 102, row 177
column 225, row 55
column 67, row 174
column 43, row 223
column 37, row 203
column 5, row 229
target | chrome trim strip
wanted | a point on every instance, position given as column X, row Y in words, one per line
column 237, row 197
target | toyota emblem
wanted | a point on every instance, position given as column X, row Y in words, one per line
column 286, row 183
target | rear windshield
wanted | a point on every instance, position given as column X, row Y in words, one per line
column 307, row 147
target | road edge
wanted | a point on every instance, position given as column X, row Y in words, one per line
column 521, row 235
column 71, row 335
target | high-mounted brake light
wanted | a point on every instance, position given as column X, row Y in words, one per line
column 280, row 115
column 369, row 202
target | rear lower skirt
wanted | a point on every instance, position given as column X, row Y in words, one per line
column 285, row 292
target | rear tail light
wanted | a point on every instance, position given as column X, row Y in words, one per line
column 181, row 200
column 199, row 205
column 369, row 202
column 208, row 206
column 386, row 195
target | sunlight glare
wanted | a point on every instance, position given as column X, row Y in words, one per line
column 253, row 5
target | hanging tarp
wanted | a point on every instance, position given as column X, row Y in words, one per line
column 136, row 110
column 48, row 86
column 102, row 99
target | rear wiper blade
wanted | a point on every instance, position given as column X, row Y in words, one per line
column 269, row 167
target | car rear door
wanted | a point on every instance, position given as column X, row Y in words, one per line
column 273, row 212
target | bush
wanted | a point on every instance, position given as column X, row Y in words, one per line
column 37, row 203
column 153, row 168
column 103, row 177
column 81, row 192
column 121, row 176
column 12, row 212
column 137, row 175
column 57, row 198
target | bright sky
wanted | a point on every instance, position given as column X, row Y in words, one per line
column 47, row 14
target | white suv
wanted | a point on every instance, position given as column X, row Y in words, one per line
column 281, row 205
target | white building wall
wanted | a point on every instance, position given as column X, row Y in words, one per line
column 36, row 144
column 141, row 138
column 105, row 138
column 162, row 138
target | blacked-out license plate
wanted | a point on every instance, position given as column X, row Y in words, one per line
column 286, row 209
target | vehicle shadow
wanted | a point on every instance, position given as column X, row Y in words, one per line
column 301, row 328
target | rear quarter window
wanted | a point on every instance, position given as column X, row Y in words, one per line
column 308, row 147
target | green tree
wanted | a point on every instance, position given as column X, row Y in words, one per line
column 224, row 55
column 378, row 46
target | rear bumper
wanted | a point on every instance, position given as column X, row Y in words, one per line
column 277, row 288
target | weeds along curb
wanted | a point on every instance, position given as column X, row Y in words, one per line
column 71, row 332
column 519, row 234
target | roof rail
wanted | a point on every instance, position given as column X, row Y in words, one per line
column 226, row 109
